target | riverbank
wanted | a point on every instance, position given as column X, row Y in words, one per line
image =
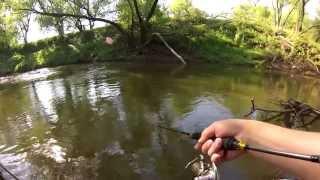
column 209, row 41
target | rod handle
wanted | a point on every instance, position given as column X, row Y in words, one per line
column 228, row 143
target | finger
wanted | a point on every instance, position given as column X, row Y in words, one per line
column 207, row 134
column 206, row 146
column 217, row 158
column 215, row 147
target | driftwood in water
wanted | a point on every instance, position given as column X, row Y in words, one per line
column 293, row 113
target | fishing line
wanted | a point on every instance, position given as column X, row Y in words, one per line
column 10, row 173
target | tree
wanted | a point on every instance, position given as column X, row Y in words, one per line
column 181, row 8
column 7, row 27
column 316, row 27
column 248, row 14
column 301, row 14
column 24, row 26
column 90, row 8
column 296, row 7
column 142, row 11
column 249, row 19
column 293, row 5
column 55, row 6
column 184, row 10
column 278, row 10
column 22, row 19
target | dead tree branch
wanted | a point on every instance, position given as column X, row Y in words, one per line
column 293, row 113
column 169, row 47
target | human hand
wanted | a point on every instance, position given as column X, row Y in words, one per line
column 210, row 142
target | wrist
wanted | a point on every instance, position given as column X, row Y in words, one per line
column 247, row 128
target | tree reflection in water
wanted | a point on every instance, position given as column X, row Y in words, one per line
column 98, row 122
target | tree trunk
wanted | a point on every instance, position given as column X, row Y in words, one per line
column 142, row 23
column 25, row 38
column 152, row 11
column 91, row 24
column 143, row 34
column 278, row 9
column 61, row 31
column 301, row 14
column 79, row 25
column 60, row 27
column 289, row 14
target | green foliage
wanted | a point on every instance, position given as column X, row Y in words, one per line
column 183, row 10
column 22, row 19
column 253, row 25
column 251, row 34
column 61, row 55
column 8, row 32
column 95, row 50
column 6, row 65
column 304, row 50
column 217, row 47
column 259, row 15
column 315, row 31
column 48, row 22
column 87, row 46
column 23, row 62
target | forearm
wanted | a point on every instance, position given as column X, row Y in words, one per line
column 278, row 138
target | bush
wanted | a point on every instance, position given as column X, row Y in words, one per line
column 6, row 65
column 55, row 56
column 23, row 62
column 96, row 49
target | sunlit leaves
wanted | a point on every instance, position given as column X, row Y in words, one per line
column 7, row 27
column 253, row 14
column 183, row 9
column 22, row 18
column 56, row 6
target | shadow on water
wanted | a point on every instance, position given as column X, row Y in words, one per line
column 98, row 122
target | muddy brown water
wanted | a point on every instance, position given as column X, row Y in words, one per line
column 99, row 121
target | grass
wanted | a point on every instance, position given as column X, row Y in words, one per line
column 215, row 48
column 212, row 40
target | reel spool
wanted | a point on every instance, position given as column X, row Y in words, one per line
column 203, row 170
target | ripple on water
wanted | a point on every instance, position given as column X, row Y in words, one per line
column 29, row 76
column 97, row 121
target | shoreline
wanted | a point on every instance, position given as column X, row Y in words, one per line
column 46, row 72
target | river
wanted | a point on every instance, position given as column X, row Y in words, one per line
column 100, row 121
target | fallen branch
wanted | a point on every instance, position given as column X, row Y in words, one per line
column 255, row 109
column 165, row 43
column 273, row 117
column 292, row 113
column 169, row 47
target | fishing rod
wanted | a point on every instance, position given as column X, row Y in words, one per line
column 233, row 144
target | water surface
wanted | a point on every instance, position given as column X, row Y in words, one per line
column 99, row 121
